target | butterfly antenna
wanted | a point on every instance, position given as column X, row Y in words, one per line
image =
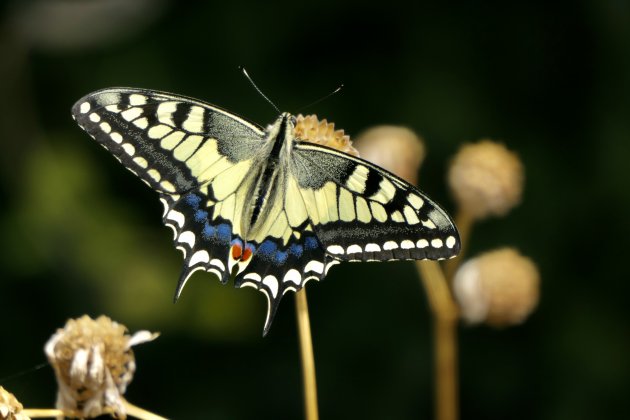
column 258, row 89
column 322, row 98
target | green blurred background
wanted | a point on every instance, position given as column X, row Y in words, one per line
column 82, row 235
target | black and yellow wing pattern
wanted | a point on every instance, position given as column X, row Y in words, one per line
column 260, row 204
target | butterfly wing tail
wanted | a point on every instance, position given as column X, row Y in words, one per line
column 277, row 268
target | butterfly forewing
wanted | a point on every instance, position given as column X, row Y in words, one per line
column 363, row 213
column 173, row 143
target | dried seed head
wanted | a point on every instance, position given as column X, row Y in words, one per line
column 486, row 179
column 10, row 407
column 500, row 288
column 93, row 363
column 397, row 149
column 311, row 129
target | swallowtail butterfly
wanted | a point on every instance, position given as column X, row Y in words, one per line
column 261, row 204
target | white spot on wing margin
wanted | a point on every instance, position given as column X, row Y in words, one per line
column 187, row 237
column 177, row 217
column 406, row 244
column 292, row 276
column 315, row 266
column 199, row 256
column 354, row 249
column 389, row 245
column 272, row 283
column 372, row 248
column 335, row 249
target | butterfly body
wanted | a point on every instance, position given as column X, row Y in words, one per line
column 260, row 204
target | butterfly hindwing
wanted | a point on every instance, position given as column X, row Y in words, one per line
column 279, row 267
column 361, row 212
column 207, row 222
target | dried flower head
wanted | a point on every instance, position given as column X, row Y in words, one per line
column 311, row 129
column 500, row 288
column 10, row 407
column 395, row 148
column 93, row 363
column 486, row 179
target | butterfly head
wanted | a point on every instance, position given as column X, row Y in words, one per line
column 284, row 125
column 288, row 119
column 281, row 132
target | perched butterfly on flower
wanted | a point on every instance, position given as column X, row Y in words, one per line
column 261, row 204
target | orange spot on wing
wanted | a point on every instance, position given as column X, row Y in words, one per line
column 246, row 255
column 237, row 251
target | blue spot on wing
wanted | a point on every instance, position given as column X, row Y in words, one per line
column 221, row 233
column 281, row 257
column 311, row 243
column 267, row 248
column 201, row 215
column 270, row 250
column 296, row 250
column 193, row 200
column 208, row 231
column 224, row 232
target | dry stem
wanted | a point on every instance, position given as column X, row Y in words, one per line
column 45, row 413
column 308, row 361
column 445, row 315
column 132, row 410
column 141, row 413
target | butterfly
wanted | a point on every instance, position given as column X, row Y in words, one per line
column 259, row 204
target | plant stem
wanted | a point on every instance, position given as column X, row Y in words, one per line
column 132, row 410
column 446, row 405
column 141, row 413
column 308, row 361
column 43, row 413
column 445, row 315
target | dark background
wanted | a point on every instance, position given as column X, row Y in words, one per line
column 81, row 235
